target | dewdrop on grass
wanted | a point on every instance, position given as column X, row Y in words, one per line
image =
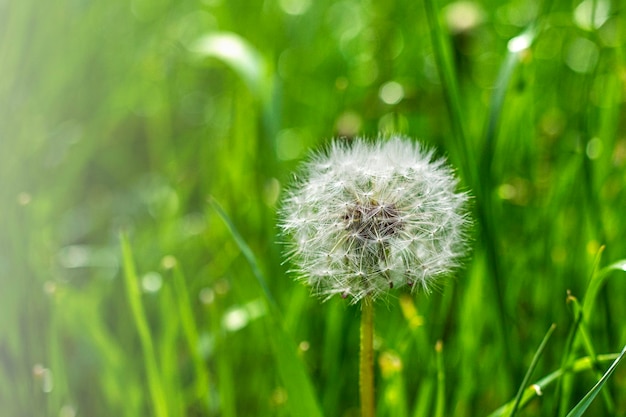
column 365, row 217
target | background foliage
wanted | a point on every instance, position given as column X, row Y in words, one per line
column 128, row 116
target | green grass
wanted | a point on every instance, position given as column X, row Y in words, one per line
column 133, row 118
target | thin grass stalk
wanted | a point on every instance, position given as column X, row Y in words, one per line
column 562, row 390
column 440, row 409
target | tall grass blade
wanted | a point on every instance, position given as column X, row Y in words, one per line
column 423, row 398
column 302, row 400
column 536, row 389
column 582, row 406
column 447, row 74
column 190, row 332
column 515, row 48
column 246, row 251
column 588, row 345
column 596, row 283
column 531, row 368
column 334, row 341
column 480, row 182
column 133, row 293
column 238, row 54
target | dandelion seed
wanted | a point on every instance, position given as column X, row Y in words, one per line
column 368, row 217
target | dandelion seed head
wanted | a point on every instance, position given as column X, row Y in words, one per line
column 367, row 217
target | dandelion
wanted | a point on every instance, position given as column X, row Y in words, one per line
column 367, row 217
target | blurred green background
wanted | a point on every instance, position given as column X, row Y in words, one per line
column 126, row 118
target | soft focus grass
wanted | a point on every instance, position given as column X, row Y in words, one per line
column 126, row 118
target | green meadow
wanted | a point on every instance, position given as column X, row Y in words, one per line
column 145, row 146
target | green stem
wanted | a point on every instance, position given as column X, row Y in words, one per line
column 440, row 409
column 366, row 381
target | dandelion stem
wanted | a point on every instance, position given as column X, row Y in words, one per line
column 366, row 382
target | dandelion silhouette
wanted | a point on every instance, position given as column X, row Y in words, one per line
column 367, row 217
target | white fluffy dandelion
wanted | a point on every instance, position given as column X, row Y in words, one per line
column 367, row 217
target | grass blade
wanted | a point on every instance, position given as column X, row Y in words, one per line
column 582, row 406
column 247, row 253
column 301, row 396
column 227, row 385
column 587, row 343
column 447, row 74
column 536, row 389
column 479, row 180
column 236, row 52
column 596, row 282
column 515, row 48
column 190, row 332
column 155, row 385
column 531, row 368
column 563, row 387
